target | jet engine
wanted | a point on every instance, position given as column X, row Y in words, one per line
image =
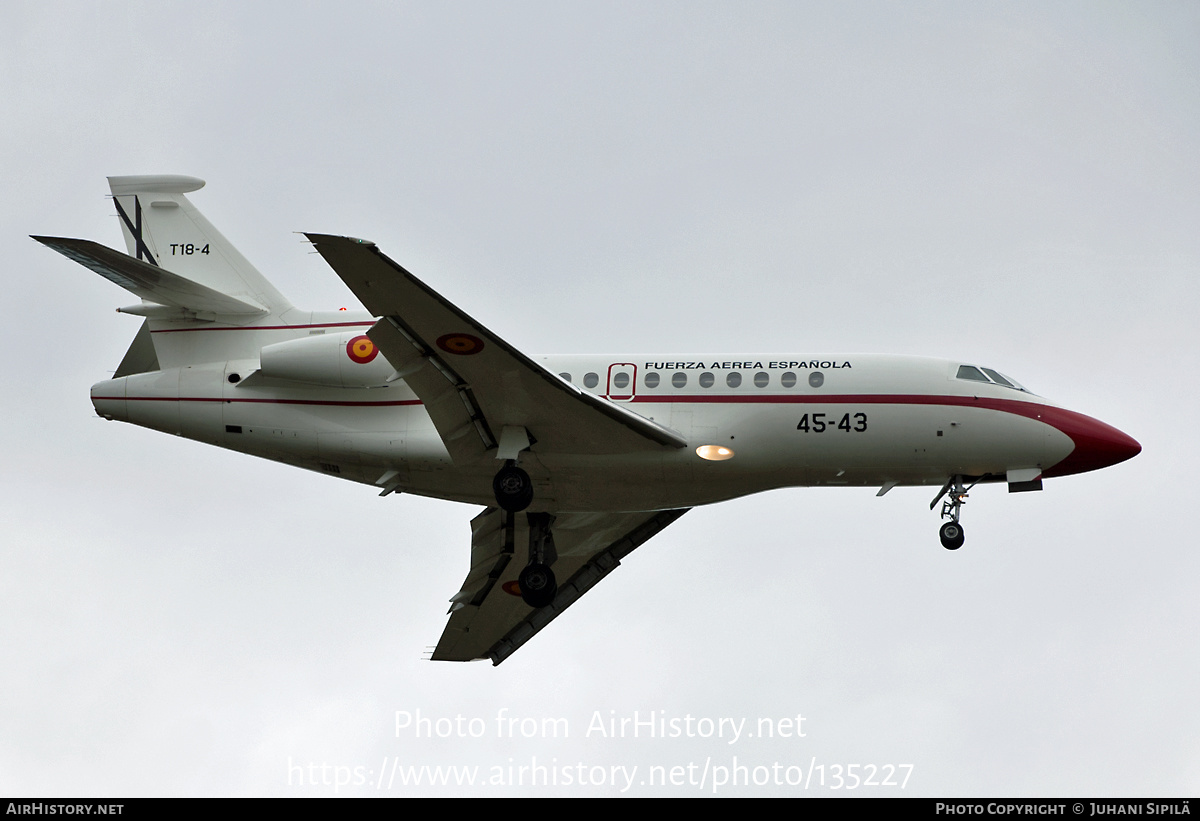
column 345, row 360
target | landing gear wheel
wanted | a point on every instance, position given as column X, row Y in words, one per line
column 513, row 489
column 952, row 535
column 538, row 586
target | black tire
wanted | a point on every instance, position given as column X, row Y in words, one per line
column 513, row 489
column 538, row 585
column 952, row 535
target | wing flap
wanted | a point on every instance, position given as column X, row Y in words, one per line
column 491, row 551
column 448, row 399
column 473, row 382
column 488, row 621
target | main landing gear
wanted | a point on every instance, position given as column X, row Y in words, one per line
column 537, row 582
column 513, row 488
column 514, row 493
column 956, row 494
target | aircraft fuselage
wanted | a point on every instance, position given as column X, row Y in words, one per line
column 770, row 421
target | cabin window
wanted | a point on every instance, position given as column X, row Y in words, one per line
column 762, row 379
column 566, row 376
column 621, row 380
column 733, row 379
column 591, row 380
column 679, row 380
column 816, row 379
column 788, row 380
column 650, row 380
column 707, row 379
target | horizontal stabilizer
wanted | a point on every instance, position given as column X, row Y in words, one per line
column 150, row 282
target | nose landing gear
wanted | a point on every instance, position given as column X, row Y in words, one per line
column 951, row 533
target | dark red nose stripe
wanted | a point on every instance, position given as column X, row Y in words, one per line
column 1097, row 445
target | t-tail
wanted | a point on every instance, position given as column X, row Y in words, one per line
column 213, row 330
column 164, row 229
column 186, row 273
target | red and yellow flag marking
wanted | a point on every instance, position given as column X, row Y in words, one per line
column 461, row 344
column 361, row 349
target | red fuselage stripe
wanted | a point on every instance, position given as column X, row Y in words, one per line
column 359, row 324
column 330, row 402
column 840, row 399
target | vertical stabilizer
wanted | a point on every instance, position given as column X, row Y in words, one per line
column 163, row 228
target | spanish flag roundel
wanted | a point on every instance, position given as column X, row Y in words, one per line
column 461, row 344
column 361, row 349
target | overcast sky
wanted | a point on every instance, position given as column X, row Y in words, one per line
column 1013, row 184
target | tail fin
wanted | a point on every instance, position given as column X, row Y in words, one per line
column 162, row 228
column 189, row 278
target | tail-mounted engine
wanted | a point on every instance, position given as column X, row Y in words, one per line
column 345, row 360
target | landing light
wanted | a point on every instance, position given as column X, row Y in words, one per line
column 714, row 453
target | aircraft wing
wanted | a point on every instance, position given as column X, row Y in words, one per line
column 489, row 621
column 474, row 384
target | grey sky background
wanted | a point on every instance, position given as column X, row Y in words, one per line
column 1012, row 183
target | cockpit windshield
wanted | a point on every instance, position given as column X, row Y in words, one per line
column 989, row 376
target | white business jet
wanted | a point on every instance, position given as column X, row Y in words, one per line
column 578, row 459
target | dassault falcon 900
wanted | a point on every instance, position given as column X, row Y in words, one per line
column 578, row 460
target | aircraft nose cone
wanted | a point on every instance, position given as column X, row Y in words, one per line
column 1097, row 445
